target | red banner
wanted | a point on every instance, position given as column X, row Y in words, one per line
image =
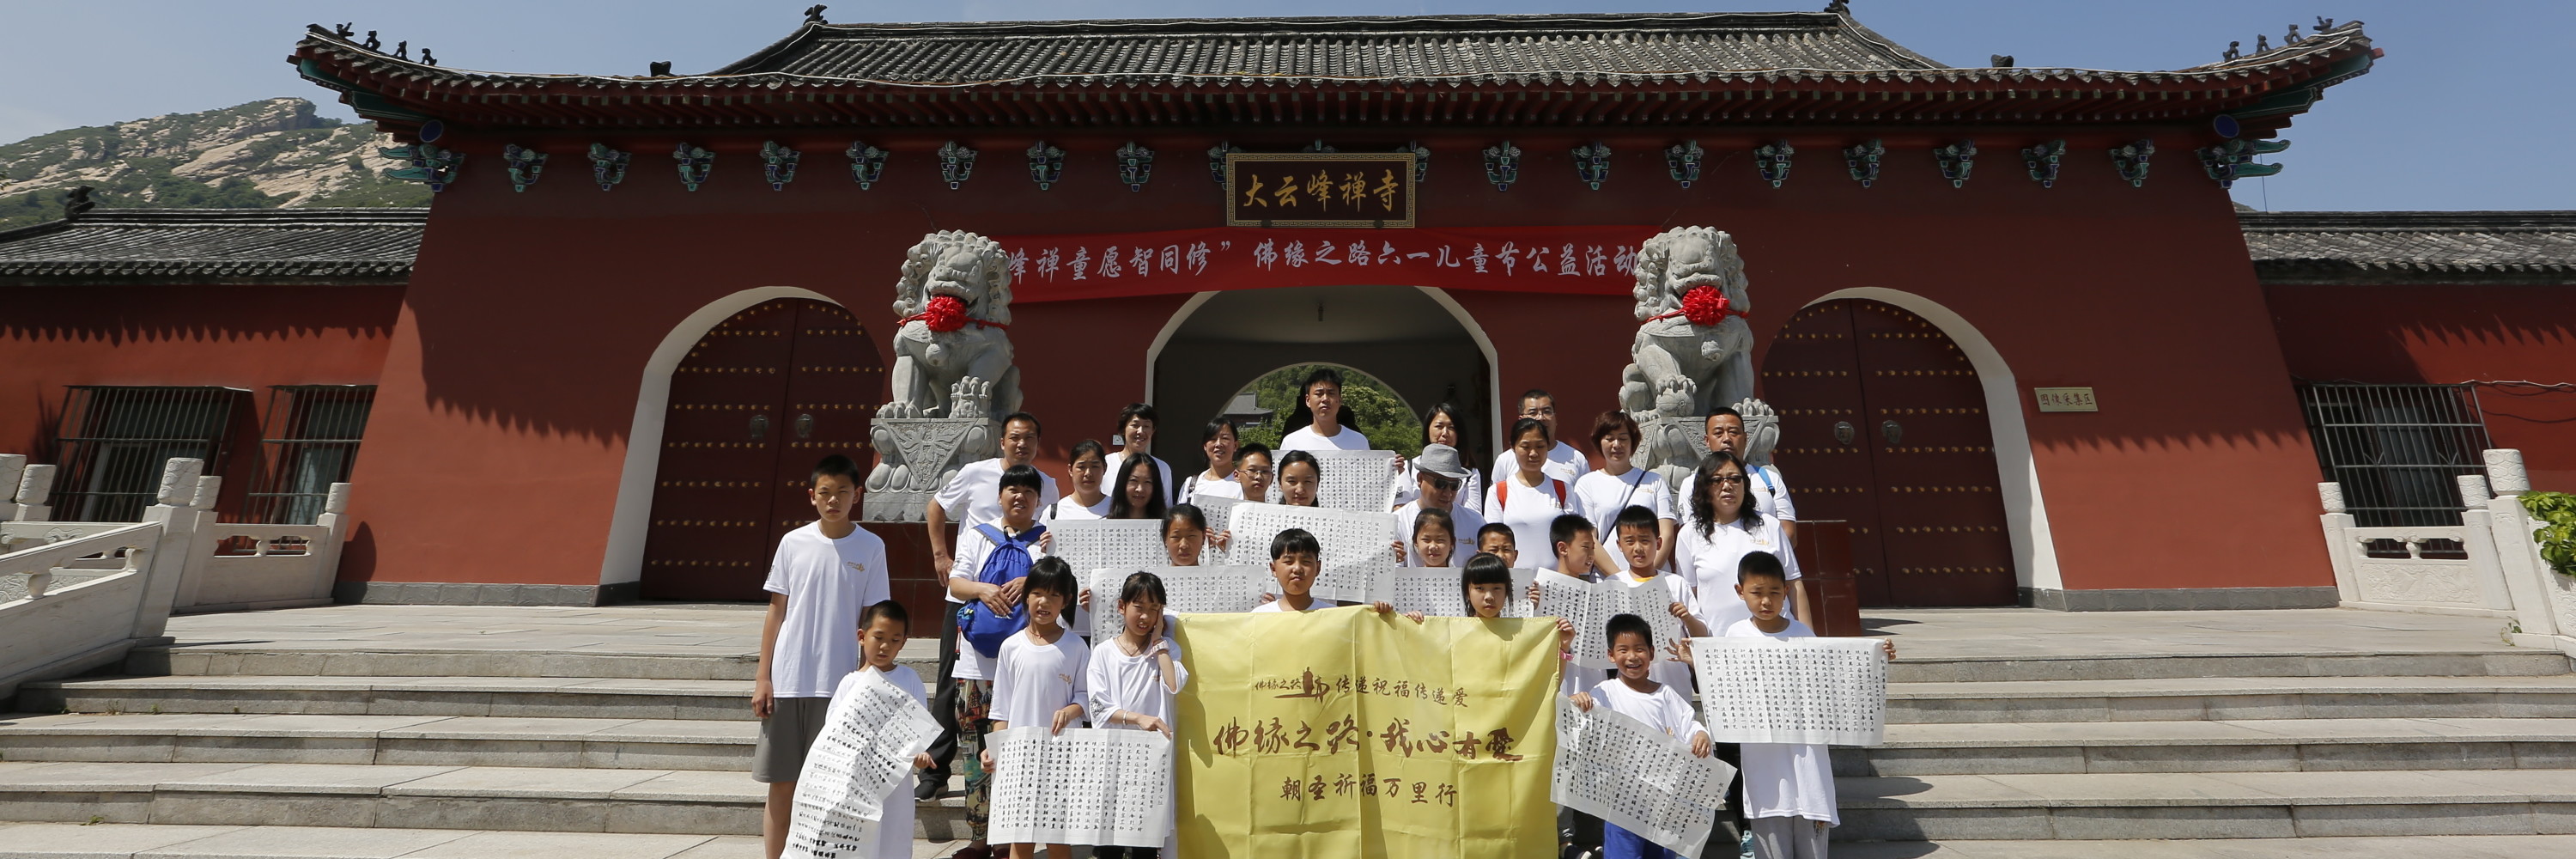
column 1587, row 260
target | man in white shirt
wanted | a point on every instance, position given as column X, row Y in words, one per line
column 1563, row 461
column 972, row 497
column 1321, row 399
column 1438, row 473
column 1136, row 433
column 1770, row 494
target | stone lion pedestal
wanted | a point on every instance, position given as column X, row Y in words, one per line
column 916, row 457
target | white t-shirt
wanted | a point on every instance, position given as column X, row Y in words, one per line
column 1666, row 709
column 1771, row 494
column 1033, row 679
column 1786, row 779
column 973, row 496
column 1198, row 487
column 1304, row 438
column 894, row 830
column 1131, row 683
column 1114, row 459
column 1465, row 523
column 1563, row 463
column 1709, row 563
column 1471, row 488
column 1281, row 605
column 1675, row 675
column 827, row 583
column 972, row 546
column 1530, row 510
column 1603, row 496
column 1070, row 509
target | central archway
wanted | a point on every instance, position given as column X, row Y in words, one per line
column 1414, row 339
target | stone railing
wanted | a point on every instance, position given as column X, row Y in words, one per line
column 2498, row 571
column 51, row 631
column 2544, row 599
column 24, row 489
column 284, row 566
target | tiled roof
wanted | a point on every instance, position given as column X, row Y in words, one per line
column 215, row 246
column 1519, row 48
column 2412, row 247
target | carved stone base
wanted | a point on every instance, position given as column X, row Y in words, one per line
column 916, row 457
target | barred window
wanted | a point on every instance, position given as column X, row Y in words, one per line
column 311, row 442
column 112, row 441
column 2398, row 450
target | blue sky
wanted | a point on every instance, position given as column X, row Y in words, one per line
column 2470, row 110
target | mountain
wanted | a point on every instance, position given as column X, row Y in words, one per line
column 262, row 155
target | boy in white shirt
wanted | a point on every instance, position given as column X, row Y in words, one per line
column 1788, row 787
column 820, row 578
column 1040, row 676
column 882, row 630
column 1295, row 558
column 1136, row 438
column 1634, row 695
column 971, row 692
column 1639, row 534
column 1563, row 461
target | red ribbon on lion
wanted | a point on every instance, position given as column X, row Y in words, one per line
column 946, row 313
column 1704, row 305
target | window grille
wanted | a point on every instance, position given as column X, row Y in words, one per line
column 113, row 440
column 311, row 442
column 2397, row 449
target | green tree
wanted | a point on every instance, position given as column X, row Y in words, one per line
column 1381, row 415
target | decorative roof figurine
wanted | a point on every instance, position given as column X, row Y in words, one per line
column 814, row 14
column 2001, row 61
column 1839, row 7
column 426, row 59
column 2324, row 23
column 2262, row 43
column 372, row 43
column 2293, row 37
column 76, row 202
column 658, row 69
column 344, row 31
column 2231, row 54
column 402, row 50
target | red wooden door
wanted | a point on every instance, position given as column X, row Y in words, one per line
column 1883, row 424
column 758, row 401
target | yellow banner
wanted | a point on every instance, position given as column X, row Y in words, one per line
column 1344, row 733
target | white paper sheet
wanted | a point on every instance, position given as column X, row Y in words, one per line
column 1188, row 590
column 1093, row 544
column 1591, row 605
column 1358, row 548
column 1085, row 786
column 1615, row 768
column 870, row 734
column 1800, row 690
column 1220, row 516
column 1361, row 481
column 1435, row 591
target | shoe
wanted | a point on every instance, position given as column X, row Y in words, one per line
column 929, row 787
column 973, row 851
column 1746, row 848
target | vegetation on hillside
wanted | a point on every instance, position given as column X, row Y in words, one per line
column 262, row 155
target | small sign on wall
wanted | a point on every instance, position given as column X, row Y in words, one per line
column 1319, row 189
column 2065, row 399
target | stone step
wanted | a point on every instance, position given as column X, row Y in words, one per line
column 674, row 663
column 479, row 741
column 643, row 801
column 2257, row 745
column 140, row 840
column 2220, row 663
column 531, row 697
column 2183, row 699
column 2091, row 806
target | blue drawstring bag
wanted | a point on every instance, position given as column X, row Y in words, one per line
column 1009, row 559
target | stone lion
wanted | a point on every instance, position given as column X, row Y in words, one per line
column 1685, row 366
column 957, row 346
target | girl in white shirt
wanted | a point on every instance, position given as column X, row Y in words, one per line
column 1322, row 422
column 1217, row 441
column 1619, row 484
column 1723, row 528
column 1087, row 501
column 1139, row 490
column 1136, row 425
column 1440, row 426
column 1300, row 478
column 1527, row 499
column 1435, row 538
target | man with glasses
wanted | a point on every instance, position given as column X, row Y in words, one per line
column 1564, row 462
column 1770, row 493
column 1438, row 473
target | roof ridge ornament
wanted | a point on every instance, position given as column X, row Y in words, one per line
column 1862, row 159
column 608, row 166
column 1957, row 159
column 430, row 165
column 1682, row 160
column 778, row 164
column 1216, row 160
column 695, row 164
column 2234, row 159
column 1135, row 165
column 1046, row 164
column 525, row 165
column 1592, row 163
column 2042, row 159
column 867, row 164
column 956, row 163
column 1503, row 165
column 1421, row 160
column 2131, row 160
column 1773, row 160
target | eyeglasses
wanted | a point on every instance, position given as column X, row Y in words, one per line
column 1729, row 479
column 1444, row 484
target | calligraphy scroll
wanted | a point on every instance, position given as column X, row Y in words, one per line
column 1436, row 591
column 1798, row 690
column 1344, row 733
column 1091, row 544
column 1611, row 766
column 1361, row 481
column 1220, row 516
column 1093, row 786
column 1357, row 548
column 1186, row 590
column 1591, row 605
column 870, row 734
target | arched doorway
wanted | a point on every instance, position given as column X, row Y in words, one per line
column 758, row 400
column 1408, row 337
column 1884, row 425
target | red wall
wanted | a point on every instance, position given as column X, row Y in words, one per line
column 516, row 360
column 2448, row 335
column 233, row 336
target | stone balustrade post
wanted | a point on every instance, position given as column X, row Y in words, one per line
column 2478, row 540
column 2339, row 545
column 326, row 560
column 30, row 495
column 2540, row 602
column 166, row 565
column 201, row 542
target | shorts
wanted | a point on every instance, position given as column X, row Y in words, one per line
column 786, row 736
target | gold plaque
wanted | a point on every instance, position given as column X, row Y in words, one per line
column 2065, row 399
column 1319, row 189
